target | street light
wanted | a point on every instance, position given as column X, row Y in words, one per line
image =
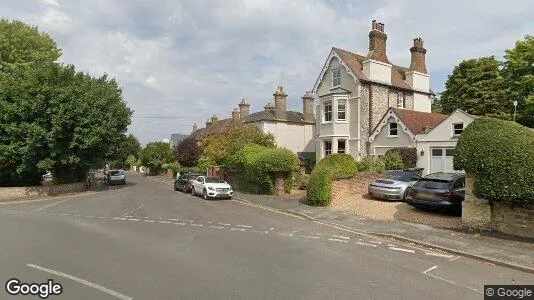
column 515, row 109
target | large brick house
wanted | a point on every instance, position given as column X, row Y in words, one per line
column 353, row 92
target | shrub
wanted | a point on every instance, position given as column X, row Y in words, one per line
column 330, row 168
column 408, row 155
column 500, row 155
column 393, row 161
column 302, row 181
column 371, row 164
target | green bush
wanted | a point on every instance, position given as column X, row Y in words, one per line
column 330, row 168
column 301, row 181
column 371, row 164
column 408, row 155
column 501, row 156
column 393, row 161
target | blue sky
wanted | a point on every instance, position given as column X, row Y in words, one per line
column 179, row 62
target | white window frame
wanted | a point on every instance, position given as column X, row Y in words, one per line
column 325, row 104
column 401, row 102
column 396, row 130
column 454, row 129
column 344, row 103
column 345, row 145
column 336, row 78
column 331, row 146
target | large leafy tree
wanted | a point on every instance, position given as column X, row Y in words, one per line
column 219, row 146
column 54, row 118
column 155, row 155
column 129, row 146
column 477, row 87
column 518, row 73
column 187, row 152
column 22, row 44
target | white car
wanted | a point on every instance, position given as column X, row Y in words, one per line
column 116, row 176
column 211, row 187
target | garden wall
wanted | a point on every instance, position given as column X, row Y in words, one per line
column 17, row 193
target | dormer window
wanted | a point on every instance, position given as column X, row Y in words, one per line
column 393, row 129
column 336, row 78
column 458, row 129
column 400, row 100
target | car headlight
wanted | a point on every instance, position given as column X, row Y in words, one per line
column 210, row 188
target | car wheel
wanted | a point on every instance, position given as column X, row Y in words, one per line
column 205, row 194
column 124, row 182
column 175, row 188
column 193, row 191
column 405, row 195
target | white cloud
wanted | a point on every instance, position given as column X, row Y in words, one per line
column 187, row 60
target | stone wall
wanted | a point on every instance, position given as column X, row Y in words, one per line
column 347, row 188
column 364, row 121
column 482, row 214
column 17, row 193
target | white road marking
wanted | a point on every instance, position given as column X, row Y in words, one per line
column 272, row 228
column 102, row 217
column 237, row 229
column 64, row 214
column 216, row 227
column 117, row 218
column 165, row 222
column 150, row 221
column 437, row 277
column 225, row 224
column 376, row 242
column 308, row 237
column 133, row 219
column 453, row 259
column 438, row 254
column 81, row 281
column 337, row 240
column 197, row 225
column 52, row 204
column 366, row 244
column 179, row 223
column 258, row 231
column 341, row 237
column 475, row 290
column 246, row 226
column 401, row 249
column 430, row 269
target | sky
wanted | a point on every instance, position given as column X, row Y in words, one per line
column 181, row 61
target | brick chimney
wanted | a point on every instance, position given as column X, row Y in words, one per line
column 208, row 123
column 377, row 42
column 418, row 56
column 195, row 127
column 244, row 108
column 280, row 103
column 307, row 106
column 269, row 107
column 235, row 115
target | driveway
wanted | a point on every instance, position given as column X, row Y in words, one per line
column 145, row 241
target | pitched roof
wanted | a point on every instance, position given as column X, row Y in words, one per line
column 355, row 63
column 418, row 121
column 197, row 133
column 218, row 126
column 270, row 115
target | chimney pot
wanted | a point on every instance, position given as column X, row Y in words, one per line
column 418, row 59
column 244, row 108
column 377, row 43
column 307, row 106
column 280, row 103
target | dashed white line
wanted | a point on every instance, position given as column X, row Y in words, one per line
column 197, row 225
column 341, row 237
column 225, row 224
column 474, row 290
column 179, row 223
column 366, row 244
column 237, row 229
column 401, row 249
column 338, row 240
column 149, row 221
column 453, row 259
column 133, row 210
column 308, row 237
column 246, row 226
column 102, row 217
column 438, row 254
column 165, row 222
column 216, row 227
column 134, row 220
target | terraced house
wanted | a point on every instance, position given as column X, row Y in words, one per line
column 353, row 93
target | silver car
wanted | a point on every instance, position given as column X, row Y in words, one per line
column 394, row 185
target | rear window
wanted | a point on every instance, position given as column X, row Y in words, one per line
column 402, row 176
column 192, row 176
column 115, row 173
column 433, row 184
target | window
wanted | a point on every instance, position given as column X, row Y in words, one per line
column 400, row 100
column 393, row 129
column 341, row 110
column 328, row 111
column 458, row 128
column 449, row 152
column 341, row 146
column 327, row 147
column 336, row 78
column 437, row 152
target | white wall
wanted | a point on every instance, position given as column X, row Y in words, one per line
column 377, row 71
column 295, row 137
column 418, row 81
column 422, row 102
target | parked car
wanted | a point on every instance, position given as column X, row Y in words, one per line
column 116, row 176
column 211, row 187
column 394, row 185
column 184, row 182
column 439, row 191
column 48, row 175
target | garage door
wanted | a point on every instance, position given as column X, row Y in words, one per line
column 441, row 160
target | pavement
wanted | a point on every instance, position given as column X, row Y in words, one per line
column 146, row 241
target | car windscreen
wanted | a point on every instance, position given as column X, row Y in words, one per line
column 192, row 176
column 401, row 176
column 115, row 173
column 214, row 180
column 433, row 184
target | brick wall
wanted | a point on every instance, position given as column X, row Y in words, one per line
column 347, row 188
column 17, row 193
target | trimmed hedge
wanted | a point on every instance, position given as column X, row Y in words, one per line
column 330, row 168
column 501, row 156
column 371, row 164
column 393, row 161
column 408, row 155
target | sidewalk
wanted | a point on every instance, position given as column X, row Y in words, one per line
column 498, row 249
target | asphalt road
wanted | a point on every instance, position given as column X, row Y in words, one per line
column 145, row 241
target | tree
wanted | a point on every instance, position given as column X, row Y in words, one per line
column 22, row 44
column 219, row 146
column 131, row 160
column 54, row 118
column 187, row 152
column 129, row 145
column 477, row 87
column 155, row 154
column 437, row 106
column 518, row 73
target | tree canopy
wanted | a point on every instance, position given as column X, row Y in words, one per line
column 155, row 155
column 187, row 152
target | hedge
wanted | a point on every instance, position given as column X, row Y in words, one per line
column 500, row 154
column 409, row 155
column 330, row 168
column 393, row 161
column 371, row 164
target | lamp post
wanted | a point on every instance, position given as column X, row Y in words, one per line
column 515, row 109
